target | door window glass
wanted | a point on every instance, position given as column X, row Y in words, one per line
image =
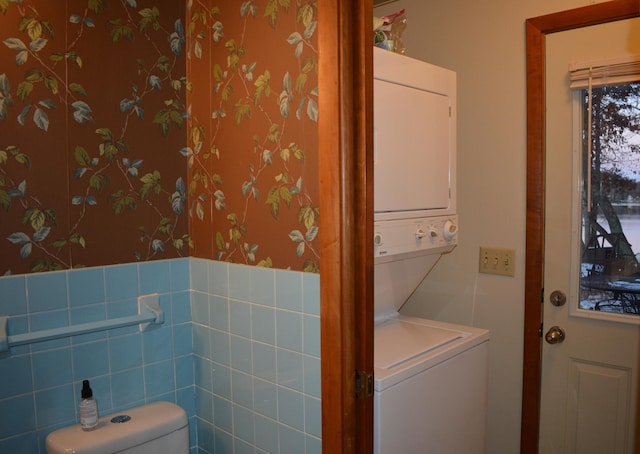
column 610, row 211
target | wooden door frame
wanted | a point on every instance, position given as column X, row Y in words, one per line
column 536, row 30
column 345, row 124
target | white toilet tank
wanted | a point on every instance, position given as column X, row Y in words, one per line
column 157, row 428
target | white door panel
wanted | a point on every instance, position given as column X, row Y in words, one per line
column 589, row 381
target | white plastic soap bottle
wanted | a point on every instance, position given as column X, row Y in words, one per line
column 88, row 408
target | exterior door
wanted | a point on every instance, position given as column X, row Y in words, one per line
column 589, row 379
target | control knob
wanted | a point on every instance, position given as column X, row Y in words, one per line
column 450, row 230
column 377, row 239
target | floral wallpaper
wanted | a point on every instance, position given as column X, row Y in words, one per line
column 252, row 145
column 133, row 130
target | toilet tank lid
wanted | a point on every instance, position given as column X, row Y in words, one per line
column 147, row 423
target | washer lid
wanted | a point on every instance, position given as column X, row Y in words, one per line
column 399, row 342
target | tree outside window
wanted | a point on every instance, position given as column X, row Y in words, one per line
column 610, row 272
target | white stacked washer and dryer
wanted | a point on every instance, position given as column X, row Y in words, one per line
column 430, row 392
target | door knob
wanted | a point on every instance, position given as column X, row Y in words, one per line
column 555, row 335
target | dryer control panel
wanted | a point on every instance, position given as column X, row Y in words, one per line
column 417, row 236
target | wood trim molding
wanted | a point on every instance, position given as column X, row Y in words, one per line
column 534, row 241
column 536, row 30
column 346, row 221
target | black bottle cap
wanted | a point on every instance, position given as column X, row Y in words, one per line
column 86, row 390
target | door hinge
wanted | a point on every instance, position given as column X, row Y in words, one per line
column 541, row 329
column 364, row 384
column 542, row 295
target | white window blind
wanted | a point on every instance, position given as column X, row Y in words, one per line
column 604, row 72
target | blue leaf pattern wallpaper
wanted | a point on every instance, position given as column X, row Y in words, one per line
column 252, row 143
column 169, row 148
column 133, row 130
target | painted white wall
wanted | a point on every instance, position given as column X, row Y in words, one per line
column 484, row 42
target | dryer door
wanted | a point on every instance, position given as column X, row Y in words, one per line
column 412, row 150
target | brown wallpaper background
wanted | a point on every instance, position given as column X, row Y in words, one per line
column 134, row 130
column 252, row 146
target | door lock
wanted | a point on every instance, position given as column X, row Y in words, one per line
column 558, row 298
column 555, row 335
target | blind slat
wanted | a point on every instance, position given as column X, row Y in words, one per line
column 609, row 72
